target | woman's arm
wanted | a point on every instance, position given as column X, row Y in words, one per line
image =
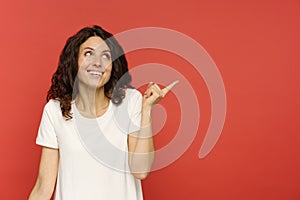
column 140, row 143
column 47, row 175
column 141, row 147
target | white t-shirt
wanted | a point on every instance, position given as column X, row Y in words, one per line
column 93, row 161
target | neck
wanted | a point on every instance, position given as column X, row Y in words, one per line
column 91, row 102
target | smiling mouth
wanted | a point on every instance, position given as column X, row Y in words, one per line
column 95, row 73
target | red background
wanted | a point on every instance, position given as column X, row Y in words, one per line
column 255, row 45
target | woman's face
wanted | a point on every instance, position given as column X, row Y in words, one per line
column 94, row 63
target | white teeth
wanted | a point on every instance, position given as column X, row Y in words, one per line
column 95, row 73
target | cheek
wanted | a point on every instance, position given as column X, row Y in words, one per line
column 108, row 72
column 80, row 62
column 109, row 69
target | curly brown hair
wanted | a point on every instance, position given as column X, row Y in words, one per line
column 64, row 85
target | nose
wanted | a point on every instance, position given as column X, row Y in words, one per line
column 97, row 61
column 97, row 64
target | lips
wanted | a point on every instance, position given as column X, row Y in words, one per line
column 95, row 73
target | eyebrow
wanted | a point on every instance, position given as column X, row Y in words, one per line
column 106, row 50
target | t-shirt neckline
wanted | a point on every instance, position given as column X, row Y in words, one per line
column 101, row 117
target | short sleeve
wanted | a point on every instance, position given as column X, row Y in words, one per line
column 135, row 113
column 46, row 132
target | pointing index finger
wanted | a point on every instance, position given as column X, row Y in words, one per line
column 169, row 87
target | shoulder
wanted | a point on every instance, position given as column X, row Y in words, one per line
column 52, row 109
column 133, row 93
column 52, row 105
column 133, row 98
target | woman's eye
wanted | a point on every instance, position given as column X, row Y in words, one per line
column 88, row 53
column 106, row 56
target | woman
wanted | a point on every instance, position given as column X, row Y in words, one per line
column 95, row 131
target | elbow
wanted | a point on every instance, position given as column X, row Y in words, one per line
column 141, row 167
column 140, row 172
column 40, row 191
column 35, row 196
column 140, row 176
column 39, row 195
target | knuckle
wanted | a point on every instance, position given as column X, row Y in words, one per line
column 156, row 95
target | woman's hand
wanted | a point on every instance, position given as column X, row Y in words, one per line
column 154, row 94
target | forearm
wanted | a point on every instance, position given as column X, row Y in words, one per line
column 142, row 155
column 48, row 170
